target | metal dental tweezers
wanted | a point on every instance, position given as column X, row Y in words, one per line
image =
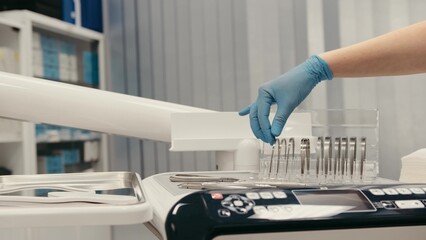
column 363, row 155
column 290, row 147
column 182, row 177
column 320, row 154
column 305, row 152
column 352, row 154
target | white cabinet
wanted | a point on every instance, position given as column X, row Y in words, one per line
column 35, row 45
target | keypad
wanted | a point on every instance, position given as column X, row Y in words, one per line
column 238, row 204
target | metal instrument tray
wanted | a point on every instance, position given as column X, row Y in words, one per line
column 75, row 199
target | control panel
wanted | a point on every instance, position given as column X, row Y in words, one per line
column 238, row 203
column 299, row 209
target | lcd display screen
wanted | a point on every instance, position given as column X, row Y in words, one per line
column 347, row 197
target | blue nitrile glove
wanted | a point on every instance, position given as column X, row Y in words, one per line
column 287, row 91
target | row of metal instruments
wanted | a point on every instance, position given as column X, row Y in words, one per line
column 318, row 160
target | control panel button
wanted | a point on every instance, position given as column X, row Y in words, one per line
column 224, row 212
column 241, row 210
column 238, row 203
column 377, row 192
column 286, row 208
column 260, row 209
column 417, row 191
column 274, row 209
column 279, row 194
column 390, row 191
column 216, row 196
column 266, row 195
column 403, row 191
column 388, row 204
column 407, row 204
column 227, row 204
column 378, row 204
column 253, row 195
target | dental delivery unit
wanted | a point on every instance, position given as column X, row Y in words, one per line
column 318, row 181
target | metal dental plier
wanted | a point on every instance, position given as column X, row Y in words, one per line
column 200, row 178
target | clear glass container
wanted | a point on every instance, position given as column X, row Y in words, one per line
column 342, row 148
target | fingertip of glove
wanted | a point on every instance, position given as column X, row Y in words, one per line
column 276, row 133
column 276, row 130
column 244, row 111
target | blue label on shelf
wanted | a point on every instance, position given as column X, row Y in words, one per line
column 50, row 58
column 90, row 68
column 49, row 43
column 71, row 156
column 54, row 164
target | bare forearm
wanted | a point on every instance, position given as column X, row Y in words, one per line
column 396, row 53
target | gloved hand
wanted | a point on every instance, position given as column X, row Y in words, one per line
column 287, row 91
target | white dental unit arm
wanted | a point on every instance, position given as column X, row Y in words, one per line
column 40, row 101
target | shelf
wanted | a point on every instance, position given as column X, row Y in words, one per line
column 53, row 25
column 68, row 141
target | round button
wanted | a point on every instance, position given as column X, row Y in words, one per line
column 224, row 212
column 238, row 203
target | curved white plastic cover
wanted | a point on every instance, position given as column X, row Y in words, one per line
column 223, row 131
column 76, row 200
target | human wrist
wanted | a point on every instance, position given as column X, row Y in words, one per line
column 318, row 68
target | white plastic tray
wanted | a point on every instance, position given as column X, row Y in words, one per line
column 81, row 207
